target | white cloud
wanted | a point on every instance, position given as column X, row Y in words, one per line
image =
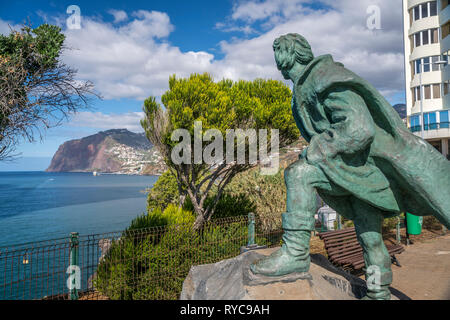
column 134, row 60
column 257, row 10
column 5, row 27
column 119, row 15
column 147, row 25
column 129, row 61
column 131, row 58
column 98, row 120
column 339, row 27
column 227, row 28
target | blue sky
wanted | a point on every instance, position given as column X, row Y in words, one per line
column 193, row 18
column 129, row 49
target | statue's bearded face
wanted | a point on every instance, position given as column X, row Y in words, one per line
column 283, row 68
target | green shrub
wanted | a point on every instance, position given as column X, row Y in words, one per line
column 431, row 223
column 229, row 205
column 267, row 193
column 156, row 218
column 153, row 263
column 389, row 224
column 163, row 192
column 347, row 223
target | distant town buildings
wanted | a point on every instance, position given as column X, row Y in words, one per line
column 427, row 49
column 134, row 160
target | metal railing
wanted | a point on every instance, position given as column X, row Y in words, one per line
column 147, row 263
column 430, row 126
column 138, row 264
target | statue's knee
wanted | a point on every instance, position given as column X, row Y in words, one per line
column 296, row 173
column 372, row 241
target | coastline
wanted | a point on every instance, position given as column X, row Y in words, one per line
column 157, row 173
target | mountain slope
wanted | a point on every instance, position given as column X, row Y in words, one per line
column 111, row 151
column 401, row 110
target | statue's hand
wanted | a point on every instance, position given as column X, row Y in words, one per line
column 314, row 154
column 319, row 149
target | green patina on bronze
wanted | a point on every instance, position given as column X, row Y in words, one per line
column 361, row 159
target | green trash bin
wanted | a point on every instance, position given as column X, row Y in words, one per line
column 414, row 224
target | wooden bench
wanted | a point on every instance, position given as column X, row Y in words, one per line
column 344, row 250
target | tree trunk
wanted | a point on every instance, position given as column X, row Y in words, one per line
column 181, row 201
column 199, row 211
column 199, row 222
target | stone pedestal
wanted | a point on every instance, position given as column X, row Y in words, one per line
column 232, row 280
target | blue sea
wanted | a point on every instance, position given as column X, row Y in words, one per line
column 37, row 206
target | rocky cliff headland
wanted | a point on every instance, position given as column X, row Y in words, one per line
column 113, row 151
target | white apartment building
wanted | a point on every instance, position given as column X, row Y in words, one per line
column 427, row 70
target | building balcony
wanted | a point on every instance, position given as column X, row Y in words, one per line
column 424, row 24
column 445, row 43
column 446, row 73
column 413, row 3
column 427, row 78
column 426, row 51
column 446, row 101
column 444, row 16
column 429, row 105
column 433, row 131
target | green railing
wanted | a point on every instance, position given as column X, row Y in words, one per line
column 147, row 263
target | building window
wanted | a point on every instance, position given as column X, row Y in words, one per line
column 427, row 89
column 445, row 30
column 426, row 64
column 417, row 93
column 431, row 91
column 416, row 13
column 417, row 42
column 434, row 35
column 433, row 8
column 446, row 56
column 414, row 123
column 436, row 91
column 444, row 4
column 425, row 10
column 446, row 86
column 443, row 123
column 435, row 65
column 430, row 63
column 425, row 37
column 429, row 121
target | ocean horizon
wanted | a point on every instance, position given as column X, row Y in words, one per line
column 25, row 164
column 39, row 205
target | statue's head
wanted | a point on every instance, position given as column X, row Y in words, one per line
column 290, row 50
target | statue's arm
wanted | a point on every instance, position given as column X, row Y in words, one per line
column 352, row 127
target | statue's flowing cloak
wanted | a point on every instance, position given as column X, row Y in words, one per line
column 397, row 172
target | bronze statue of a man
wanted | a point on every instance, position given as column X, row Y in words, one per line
column 361, row 160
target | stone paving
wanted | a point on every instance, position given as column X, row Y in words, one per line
column 425, row 271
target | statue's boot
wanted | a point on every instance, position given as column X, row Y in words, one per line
column 293, row 256
column 382, row 294
column 380, row 291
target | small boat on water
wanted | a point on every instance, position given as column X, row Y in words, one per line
column 95, row 173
